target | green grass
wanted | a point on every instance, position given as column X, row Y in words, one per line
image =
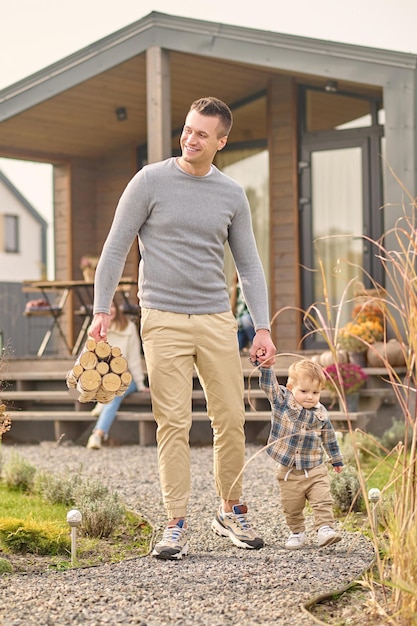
column 18, row 504
column 29, row 522
column 378, row 475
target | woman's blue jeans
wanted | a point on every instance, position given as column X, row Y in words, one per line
column 109, row 411
column 246, row 331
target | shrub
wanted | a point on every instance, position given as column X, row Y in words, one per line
column 5, row 566
column 366, row 446
column 20, row 535
column 346, row 490
column 101, row 510
column 18, row 473
column 90, row 490
column 396, row 433
column 57, row 489
column 100, row 517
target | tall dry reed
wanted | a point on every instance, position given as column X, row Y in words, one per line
column 394, row 533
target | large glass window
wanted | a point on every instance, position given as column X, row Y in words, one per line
column 252, row 172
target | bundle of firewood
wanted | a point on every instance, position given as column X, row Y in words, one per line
column 99, row 374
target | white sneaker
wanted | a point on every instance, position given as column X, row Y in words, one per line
column 295, row 541
column 326, row 536
column 97, row 409
column 94, row 441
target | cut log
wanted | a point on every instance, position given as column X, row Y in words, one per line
column 71, row 380
column 90, row 380
column 88, row 360
column 126, row 378
column 111, row 382
column 104, row 396
column 102, row 367
column 103, row 350
column 77, row 370
column 99, row 373
column 118, row 365
column 90, row 344
column 87, row 396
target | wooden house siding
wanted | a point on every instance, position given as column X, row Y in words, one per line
column 113, row 174
column 282, row 145
column 83, row 222
column 80, row 186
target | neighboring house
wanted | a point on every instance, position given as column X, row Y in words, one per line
column 22, row 257
column 309, row 130
column 22, row 236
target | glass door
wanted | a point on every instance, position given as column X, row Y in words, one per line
column 336, row 254
column 340, row 205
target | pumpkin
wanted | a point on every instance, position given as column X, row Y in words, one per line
column 391, row 351
column 327, row 357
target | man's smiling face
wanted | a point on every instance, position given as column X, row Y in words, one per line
column 199, row 143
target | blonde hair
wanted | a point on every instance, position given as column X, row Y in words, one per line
column 305, row 367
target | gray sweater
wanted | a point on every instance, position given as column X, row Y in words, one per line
column 182, row 223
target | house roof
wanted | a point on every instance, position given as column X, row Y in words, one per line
column 68, row 108
column 22, row 200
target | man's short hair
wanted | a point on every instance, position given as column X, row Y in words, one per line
column 213, row 107
column 305, row 367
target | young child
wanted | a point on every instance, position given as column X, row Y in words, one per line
column 300, row 434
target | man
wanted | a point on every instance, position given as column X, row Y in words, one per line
column 183, row 211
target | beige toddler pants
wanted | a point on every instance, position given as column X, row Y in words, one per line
column 300, row 486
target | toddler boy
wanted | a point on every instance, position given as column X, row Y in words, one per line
column 301, row 432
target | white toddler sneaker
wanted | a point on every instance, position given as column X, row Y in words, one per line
column 295, row 541
column 326, row 536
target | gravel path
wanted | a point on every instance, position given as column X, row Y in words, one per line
column 217, row 584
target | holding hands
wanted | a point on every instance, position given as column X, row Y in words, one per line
column 263, row 349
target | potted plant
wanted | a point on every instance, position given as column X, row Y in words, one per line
column 356, row 337
column 345, row 380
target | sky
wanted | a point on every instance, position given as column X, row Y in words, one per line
column 36, row 33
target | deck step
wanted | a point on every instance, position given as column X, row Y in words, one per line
column 147, row 416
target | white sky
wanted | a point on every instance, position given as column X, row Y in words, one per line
column 36, row 33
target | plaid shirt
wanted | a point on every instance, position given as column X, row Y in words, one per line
column 298, row 436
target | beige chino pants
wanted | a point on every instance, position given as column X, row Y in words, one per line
column 296, row 489
column 173, row 345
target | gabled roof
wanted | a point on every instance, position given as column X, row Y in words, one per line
column 68, row 109
column 22, row 200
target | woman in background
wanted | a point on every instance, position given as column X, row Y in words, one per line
column 124, row 334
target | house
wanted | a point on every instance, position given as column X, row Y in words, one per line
column 311, row 121
column 22, row 256
column 22, row 236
